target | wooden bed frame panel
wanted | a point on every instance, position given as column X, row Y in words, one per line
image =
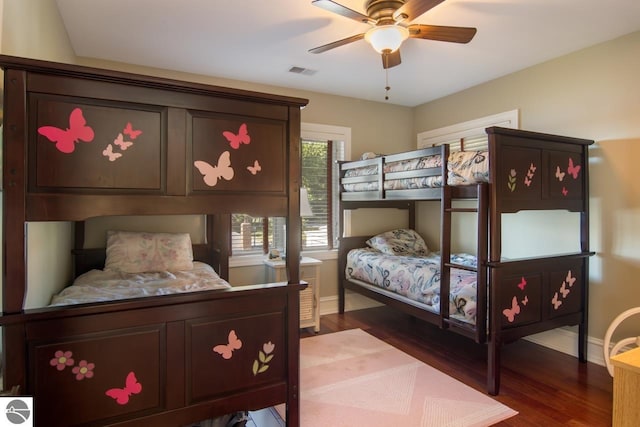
column 166, row 341
column 515, row 157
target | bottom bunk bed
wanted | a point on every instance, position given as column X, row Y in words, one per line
column 131, row 343
column 525, row 296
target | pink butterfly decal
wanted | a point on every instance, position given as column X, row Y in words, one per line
column 121, row 395
column 65, row 139
column 255, row 168
column 522, row 284
column 559, row 175
column 525, row 300
column 120, row 142
column 128, row 130
column 108, row 152
column 241, row 138
column 564, row 290
column 565, row 191
column 555, row 301
column 510, row 313
column 573, row 170
column 570, row 280
column 211, row 173
column 529, row 178
column 226, row 350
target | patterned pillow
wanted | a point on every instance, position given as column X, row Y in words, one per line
column 137, row 252
column 399, row 242
column 468, row 167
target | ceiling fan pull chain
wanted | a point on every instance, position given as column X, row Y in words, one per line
column 386, row 72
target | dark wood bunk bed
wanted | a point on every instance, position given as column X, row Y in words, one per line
column 81, row 143
column 515, row 297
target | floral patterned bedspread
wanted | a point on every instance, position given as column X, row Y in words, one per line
column 417, row 278
column 107, row 285
column 463, row 168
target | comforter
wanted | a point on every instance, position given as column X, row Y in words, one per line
column 107, row 285
column 418, row 278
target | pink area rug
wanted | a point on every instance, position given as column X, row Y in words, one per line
column 353, row 379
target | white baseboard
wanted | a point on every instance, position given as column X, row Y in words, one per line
column 329, row 305
column 561, row 339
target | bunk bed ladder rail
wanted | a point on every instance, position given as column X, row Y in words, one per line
column 478, row 331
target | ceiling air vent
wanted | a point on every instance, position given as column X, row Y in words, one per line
column 302, row 70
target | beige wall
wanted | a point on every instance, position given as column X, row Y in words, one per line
column 34, row 29
column 594, row 94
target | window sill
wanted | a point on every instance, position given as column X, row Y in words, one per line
column 255, row 260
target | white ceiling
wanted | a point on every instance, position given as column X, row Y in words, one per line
column 260, row 40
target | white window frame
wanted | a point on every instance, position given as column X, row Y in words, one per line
column 314, row 132
column 470, row 129
column 321, row 132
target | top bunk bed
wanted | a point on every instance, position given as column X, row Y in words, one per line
column 527, row 168
column 81, row 143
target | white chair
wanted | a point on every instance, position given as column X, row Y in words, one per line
column 608, row 354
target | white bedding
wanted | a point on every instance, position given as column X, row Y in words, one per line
column 108, row 285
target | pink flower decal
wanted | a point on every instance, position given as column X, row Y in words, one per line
column 83, row 370
column 261, row 364
column 61, row 360
column 268, row 347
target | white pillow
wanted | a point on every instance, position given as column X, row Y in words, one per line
column 138, row 252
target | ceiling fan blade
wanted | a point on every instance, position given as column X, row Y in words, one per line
column 414, row 8
column 337, row 43
column 391, row 59
column 334, row 7
column 442, row 33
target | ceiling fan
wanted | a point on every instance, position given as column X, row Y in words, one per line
column 389, row 20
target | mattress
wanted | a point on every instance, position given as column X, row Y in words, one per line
column 418, row 279
column 108, row 285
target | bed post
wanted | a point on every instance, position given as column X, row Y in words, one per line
column 495, row 342
column 584, row 247
column 294, row 243
column 14, row 287
column 218, row 229
column 342, row 263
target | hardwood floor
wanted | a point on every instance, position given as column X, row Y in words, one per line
column 546, row 387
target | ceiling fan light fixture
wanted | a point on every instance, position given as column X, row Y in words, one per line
column 386, row 38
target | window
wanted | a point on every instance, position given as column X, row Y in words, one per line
column 469, row 135
column 322, row 146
